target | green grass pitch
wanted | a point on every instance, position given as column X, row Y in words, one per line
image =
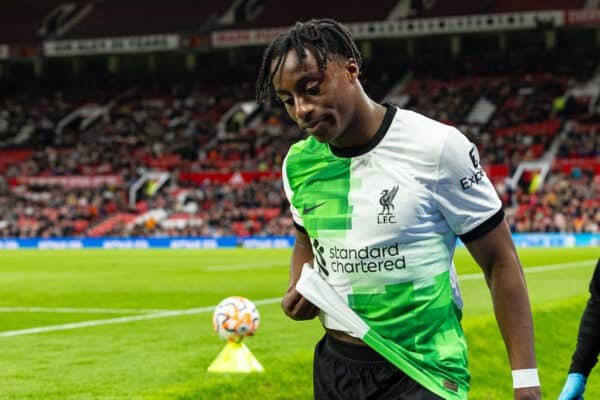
column 166, row 358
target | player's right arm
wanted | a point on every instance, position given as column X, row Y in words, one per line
column 294, row 305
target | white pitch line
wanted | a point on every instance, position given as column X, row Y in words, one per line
column 175, row 313
column 538, row 268
column 84, row 324
column 71, row 310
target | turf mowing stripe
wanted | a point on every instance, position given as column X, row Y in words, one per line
column 216, row 268
column 70, row 310
column 84, row 324
column 174, row 313
column 538, row 269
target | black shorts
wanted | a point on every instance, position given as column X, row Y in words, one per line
column 345, row 371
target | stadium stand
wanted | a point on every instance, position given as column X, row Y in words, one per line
column 143, row 17
column 29, row 21
column 277, row 13
column 173, row 130
column 20, row 20
column 532, row 5
column 433, row 9
column 89, row 161
column 436, row 9
column 566, row 203
column 227, row 182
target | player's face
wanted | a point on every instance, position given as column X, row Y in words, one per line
column 319, row 101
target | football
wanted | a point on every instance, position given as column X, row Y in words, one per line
column 235, row 318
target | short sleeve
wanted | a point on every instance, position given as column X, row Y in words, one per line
column 466, row 197
column 290, row 194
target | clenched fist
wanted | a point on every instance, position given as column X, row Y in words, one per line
column 297, row 307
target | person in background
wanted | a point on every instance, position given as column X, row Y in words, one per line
column 588, row 344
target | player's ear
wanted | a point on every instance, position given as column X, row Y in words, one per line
column 352, row 70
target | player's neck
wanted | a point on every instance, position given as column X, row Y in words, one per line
column 368, row 117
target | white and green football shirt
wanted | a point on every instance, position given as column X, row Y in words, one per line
column 383, row 220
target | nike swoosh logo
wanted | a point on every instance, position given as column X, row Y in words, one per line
column 310, row 209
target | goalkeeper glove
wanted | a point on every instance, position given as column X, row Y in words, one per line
column 574, row 387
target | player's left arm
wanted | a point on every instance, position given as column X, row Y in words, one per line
column 469, row 203
column 496, row 255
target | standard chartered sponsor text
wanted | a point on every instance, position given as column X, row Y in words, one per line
column 366, row 259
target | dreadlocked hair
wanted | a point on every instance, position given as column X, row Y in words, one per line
column 325, row 37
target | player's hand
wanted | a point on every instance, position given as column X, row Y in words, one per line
column 297, row 307
column 529, row 393
column 574, row 387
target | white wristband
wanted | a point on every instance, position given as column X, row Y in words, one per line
column 523, row 378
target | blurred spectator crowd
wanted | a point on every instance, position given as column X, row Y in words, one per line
column 223, row 159
column 563, row 204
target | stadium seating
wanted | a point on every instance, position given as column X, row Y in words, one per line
column 582, row 143
column 20, row 20
column 451, row 8
column 532, row 5
column 566, row 203
column 440, row 8
column 278, row 13
column 137, row 17
column 225, row 177
column 28, row 22
column 12, row 157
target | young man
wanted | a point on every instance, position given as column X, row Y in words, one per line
column 378, row 196
column 588, row 344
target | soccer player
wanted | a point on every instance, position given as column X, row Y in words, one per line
column 588, row 344
column 378, row 196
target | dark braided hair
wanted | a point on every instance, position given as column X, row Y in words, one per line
column 325, row 37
